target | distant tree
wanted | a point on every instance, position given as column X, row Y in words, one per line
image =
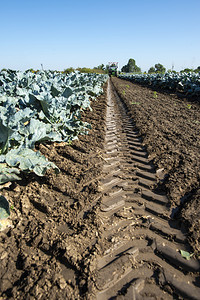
column 86, row 70
column 137, row 69
column 106, row 69
column 125, row 69
column 29, row 70
column 160, row 68
column 171, row 71
column 187, row 70
column 152, row 70
column 131, row 67
column 100, row 67
column 68, row 70
column 197, row 69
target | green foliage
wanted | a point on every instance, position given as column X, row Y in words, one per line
column 186, row 70
column 8, row 174
column 96, row 70
column 151, row 70
column 68, row 70
column 158, row 68
column 32, row 70
column 187, row 83
column 136, row 103
column 88, row 70
column 40, row 107
column 29, row 161
column 186, row 254
column 85, row 70
column 131, row 67
column 171, row 71
column 155, row 95
column 4, row 208
column 197, row 70
column 100, row 67
column 4, row 213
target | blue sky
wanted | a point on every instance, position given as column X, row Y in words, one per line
column 60, row 34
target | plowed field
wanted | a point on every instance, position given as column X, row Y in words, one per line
column 112, row 223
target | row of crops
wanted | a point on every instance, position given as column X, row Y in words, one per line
column 40, row 107
column 187, row 83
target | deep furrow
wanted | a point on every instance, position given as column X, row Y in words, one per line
column 141, row 243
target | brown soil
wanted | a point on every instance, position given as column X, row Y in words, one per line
column 170, row 128
column 89, row 232
column 42, row 256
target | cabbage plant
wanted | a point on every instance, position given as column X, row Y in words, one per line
column 40, row 107
column 187, row 83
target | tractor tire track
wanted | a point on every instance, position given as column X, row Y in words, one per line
column 140, row 242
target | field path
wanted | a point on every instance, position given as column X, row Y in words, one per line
column 141, row 242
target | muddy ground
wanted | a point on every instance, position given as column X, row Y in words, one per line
column 170, row 127
column 49, row 250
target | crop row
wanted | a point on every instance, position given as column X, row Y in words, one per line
column 187, row 83
column 40, row 107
